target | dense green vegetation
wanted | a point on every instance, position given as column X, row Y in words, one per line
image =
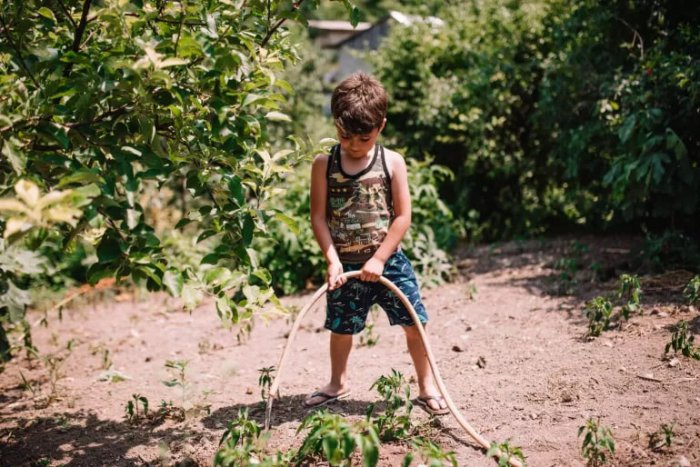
column 554, row 115
column 135, row 145
column 150, row 140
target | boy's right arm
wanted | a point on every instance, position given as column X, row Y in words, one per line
column 319, row 222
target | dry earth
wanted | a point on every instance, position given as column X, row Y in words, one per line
column 538, row 380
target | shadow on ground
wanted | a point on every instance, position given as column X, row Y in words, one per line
column 82, row 439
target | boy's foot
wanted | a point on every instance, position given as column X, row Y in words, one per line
column 434, row 405
column 320, row 398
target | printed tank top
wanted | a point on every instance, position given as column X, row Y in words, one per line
column 359, row 207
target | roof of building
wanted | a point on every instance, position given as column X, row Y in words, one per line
column 335, row 25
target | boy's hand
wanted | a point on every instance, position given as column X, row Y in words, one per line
column 372, row 270
column 333, row 276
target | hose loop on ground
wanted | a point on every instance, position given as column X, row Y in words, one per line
column 483, row 442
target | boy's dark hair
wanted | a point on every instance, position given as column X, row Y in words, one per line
column 359, row 104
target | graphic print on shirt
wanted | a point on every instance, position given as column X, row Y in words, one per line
column 359, row 207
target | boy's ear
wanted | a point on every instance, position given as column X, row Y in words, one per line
column 381, row 127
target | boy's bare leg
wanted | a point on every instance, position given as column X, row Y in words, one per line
column 341, row 345
column 426, row 384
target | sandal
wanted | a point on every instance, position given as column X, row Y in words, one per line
column 327, row 398
column 424, row 403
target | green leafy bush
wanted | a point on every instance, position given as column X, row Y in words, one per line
column 554, row 115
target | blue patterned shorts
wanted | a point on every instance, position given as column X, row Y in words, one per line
column 348, row 305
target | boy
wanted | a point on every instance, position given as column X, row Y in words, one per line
column 360, row 211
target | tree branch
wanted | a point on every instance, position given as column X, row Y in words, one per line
column 635, row 36
column 179, row 28
column 12, row 43
column 67, row 13
column 79, row 30
column 271, row 31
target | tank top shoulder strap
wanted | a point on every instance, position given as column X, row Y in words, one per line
column 385, row 167
column 332, row 160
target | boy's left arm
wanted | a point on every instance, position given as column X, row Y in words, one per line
column 374, row 267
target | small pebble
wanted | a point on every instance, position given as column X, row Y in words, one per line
column 456, row 348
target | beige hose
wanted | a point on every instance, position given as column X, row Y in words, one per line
column 483, row 442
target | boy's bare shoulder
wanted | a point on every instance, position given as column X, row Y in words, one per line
column 393, row 159
column 320, row 160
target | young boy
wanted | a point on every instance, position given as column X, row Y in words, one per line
column 360, row 211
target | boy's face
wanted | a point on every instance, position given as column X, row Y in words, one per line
column 358, row 146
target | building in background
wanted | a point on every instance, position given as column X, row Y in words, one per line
column 353, row 43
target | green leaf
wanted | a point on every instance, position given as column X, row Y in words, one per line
column 11, row 150
column 275, row 116
column 248, row 226
column 81, row 176
column 173, row 281
column 290, row 222
column 355, row 16
column 627, row 128
column 109, row 248
column 46, row 13
column 236, row 188
column 99, row 271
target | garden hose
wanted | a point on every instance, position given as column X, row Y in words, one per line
column 483, row 442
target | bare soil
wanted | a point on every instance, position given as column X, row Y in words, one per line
column 512, row 353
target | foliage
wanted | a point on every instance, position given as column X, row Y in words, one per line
column 692, row 290
column 265, row 381
column 395, row 422
column 293, row 258
column 430, row 453
column 242, row 444
column 629, row 292
column 103, row 101
column 662, row 438
column 132, row 408
column 368, row 338
column 598, row 442
column 682, row 342
column 554, row 115
column 599, row 312
column 668, row 251
column 506, row 453
column 331, row 437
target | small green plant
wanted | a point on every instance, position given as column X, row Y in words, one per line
column 629, row 291
column 168, row 410
column 598, row 311
column 335, row 440
column 395, row 422
column 598, row 442
column 662, row 438
column 430, row 454
column 568, row 267
column 368, row 337
column 265, row 381
column 26, row 385
column 682, row 342
column 132, row 408
column 692, row 291
column 471, row 291
column 505, row 453
column 178, row 367
column 241, row 443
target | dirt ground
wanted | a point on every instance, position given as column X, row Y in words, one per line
column 510, row 349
